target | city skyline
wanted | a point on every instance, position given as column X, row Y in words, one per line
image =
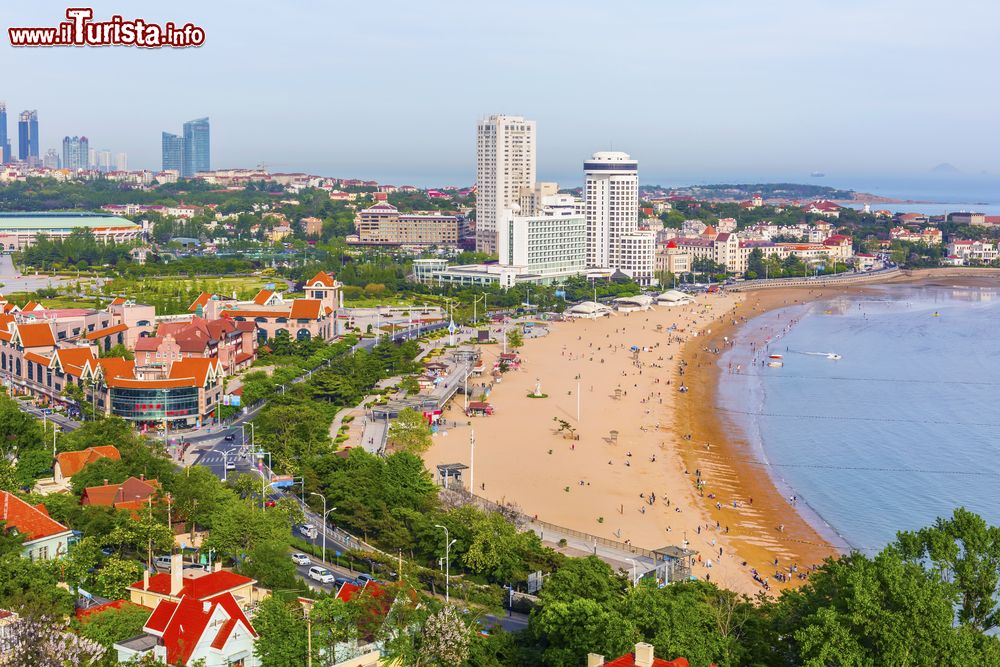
column 707, row 99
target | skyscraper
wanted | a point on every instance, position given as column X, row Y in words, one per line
column 121, row 162
column 27, row 136
column 51, row 159
column 614, row 241
column 505, row 163
column 104, row 160
column 76, row 153
column 173, row 153
column 4, row 141
column 197, row 156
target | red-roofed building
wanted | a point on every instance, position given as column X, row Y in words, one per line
column 643, row 656
column 823, row 207
column 70, row 463
column 214, row 631
column 44, row 537
column 132, row 494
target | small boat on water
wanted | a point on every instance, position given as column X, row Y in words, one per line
column 833, row 355
column 776, row 356
column 776, row 364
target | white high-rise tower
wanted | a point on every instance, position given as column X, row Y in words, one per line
column 614, row 241
column 505, row 163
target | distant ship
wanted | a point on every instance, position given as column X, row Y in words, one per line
column 817, row 174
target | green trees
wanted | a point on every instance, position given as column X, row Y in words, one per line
column 282, row 641
column 963, row 551
column 114, row 625
column 514, row 338
column 409, row 432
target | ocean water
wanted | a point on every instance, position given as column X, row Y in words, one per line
column 901, row 429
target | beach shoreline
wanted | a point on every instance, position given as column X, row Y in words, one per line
column 602, row 488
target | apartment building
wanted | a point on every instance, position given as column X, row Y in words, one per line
column 505, row 164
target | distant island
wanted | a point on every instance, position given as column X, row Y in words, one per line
column 740, row 191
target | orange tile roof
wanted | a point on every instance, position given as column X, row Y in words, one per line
column 193, row 367
column 117, row 301
column 131, row 493
column 116, row 367
column 73, row 462
column 262, row 297
column 110, row 331
column 31, row 305
column 6, row 319
column 323, row 278
column 305, row 309
column 74, row 356
column 33, row 522
column 38, row 358
column 202, row 299
column 36, row 334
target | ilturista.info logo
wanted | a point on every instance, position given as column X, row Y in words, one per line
column 81, row 30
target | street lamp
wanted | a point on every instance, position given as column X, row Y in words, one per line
column 325, row 512
column 263, row 479
column 225, row 464
column 447, row 563
column 472, row 462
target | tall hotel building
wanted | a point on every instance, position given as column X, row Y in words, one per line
column 505, row 163
column 614, row 241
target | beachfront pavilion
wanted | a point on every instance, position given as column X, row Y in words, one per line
column 674, row 298
column 590, row 309
column 627, row 304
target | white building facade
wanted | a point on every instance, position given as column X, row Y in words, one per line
column 611, row 191
column 505, row 163
column 551, row 243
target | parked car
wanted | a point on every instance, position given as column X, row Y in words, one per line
column 363, row 579
column 230, row 464
column 308, row 530
column 340, row 581
column 162, row 562
column 321, row 574
column 230, row 437
column 196, row 566
column 300, row 559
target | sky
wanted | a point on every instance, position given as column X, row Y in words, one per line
column 866, row 91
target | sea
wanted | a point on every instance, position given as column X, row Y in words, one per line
column 900, row 429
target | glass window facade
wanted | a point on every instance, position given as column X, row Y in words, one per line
column 154, row 404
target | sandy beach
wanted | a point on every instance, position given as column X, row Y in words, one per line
column 640, row 486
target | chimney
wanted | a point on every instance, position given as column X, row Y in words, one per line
column 643, row 655
column 145, row 579
column 142, row 476
column 217, row 566
column 176, row 574
column 105, row 482
column 594, row 660
column 206, row 606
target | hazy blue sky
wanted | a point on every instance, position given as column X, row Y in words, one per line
column 696, row 90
